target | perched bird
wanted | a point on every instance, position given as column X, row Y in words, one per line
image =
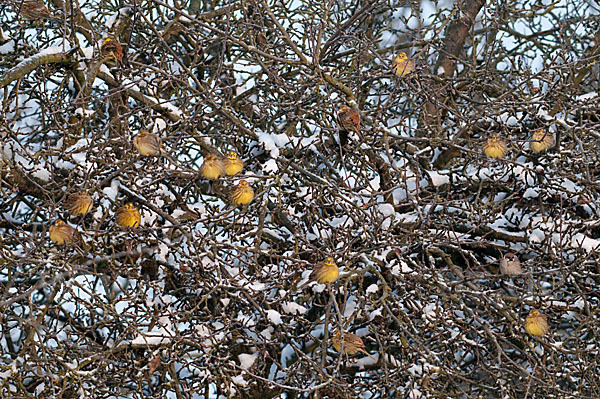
column 233, row 164
column 128, row 216
column 242, row 194
column 541, row 140
column 494, row 147
column 62, row 234
column 79, row 203
column 510, row 264
column 111, row 49
column 403, row 65
column 35, row 10
column 212, row 168
column 325, row 272
column 536, row 323
column 148, row 144
column 348, row 118
column 352, row 343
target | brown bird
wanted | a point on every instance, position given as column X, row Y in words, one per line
column 35, row 10
column 128, row 216
column 403, row 65
column 148, row 144
column 510, row 264
column 233, row 164
column 79, row 203
column 541, row 140
column 212, row 168
column 63, row 234
column 536, row 323
column 111, row 49
column 242, row 194
column 348, row 118
column 352, row 343
column 494, row 147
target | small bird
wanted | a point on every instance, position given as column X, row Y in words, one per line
column 494, row 147
column 536, row 324
column 510, row 264
column 148, row 144
column 403, row 65
column 111, row 49
column 541, row 140
column 62, row 234
column 233, row 163
column 35, row 10
column 128, row 216
column 348, row 118
column 352, row 343
column 242, row 194
column 212, row 168
column 79, row 203
column 325, row 272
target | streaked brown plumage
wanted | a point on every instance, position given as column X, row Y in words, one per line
column 403, row 65
column 128, row 216
column 541, row 140
column 242, row 194
column 494, row 147
column 111, row 49
column 148, row 144
column 79, row 203
column 63, row 234
column 233, row 164
column 35, row 10
column 536, row 324
column 352, row 343
column 212, row 168
column 348, row 118
column 510, row 264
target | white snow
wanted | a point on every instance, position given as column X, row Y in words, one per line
column 274, row 316
column 247, row 360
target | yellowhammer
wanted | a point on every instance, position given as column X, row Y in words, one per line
column 233, row 163
column 242, row 194
column 536, row 323
column 61, row 233
column 494, row 147
column 79, row 203
column 541, row 140
column 128, row 216
column 325, row 272
column 212, row 168
column 348, row 118
column 35, row 10
column 403, row 65
column 111, row 49
column 352, row 343
column 148, row 144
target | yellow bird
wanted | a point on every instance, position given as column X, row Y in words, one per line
column 403, row 65
column 352, row 343
column 212, row 168
column 494, row 147
column 148, row 144
column 128, row 216
column 325, row 272
column 536, row 324
column 233, row 164
column 79, row 203
column 62, row 234
column 242, row 194
column 541, row 140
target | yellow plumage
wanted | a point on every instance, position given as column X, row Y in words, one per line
column 541, row 140
column 128, row 216
column 403, row 65
column 352, row 343
column 494, row 147
column 148, row 144
column 61, row 233
column 325, row 272
column 79, row 203
column 536, row 324
column 233, row 164
column 212, row 168
column 242, row 194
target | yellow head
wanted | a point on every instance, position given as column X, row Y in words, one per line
column 106, row 41
column 232, row 155
column 401, row 56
